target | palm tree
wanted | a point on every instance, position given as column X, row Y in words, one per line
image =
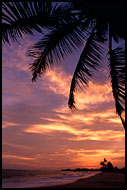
column 69, row 26
column 107, row 166
column 105, row 160
column 103, row 164
column 106, row 20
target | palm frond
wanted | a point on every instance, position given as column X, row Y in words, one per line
column 102, row 27
column 117, row 74
column 20, row 18
column 55, row 45
column 88, row 62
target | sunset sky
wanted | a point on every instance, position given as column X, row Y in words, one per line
column 40, row 131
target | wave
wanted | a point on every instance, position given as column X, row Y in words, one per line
column 22, row 179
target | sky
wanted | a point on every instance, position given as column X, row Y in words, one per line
column 39, row 131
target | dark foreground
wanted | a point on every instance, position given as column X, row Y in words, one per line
column 101, row 180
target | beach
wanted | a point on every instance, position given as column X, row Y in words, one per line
column 101, row 180
column 39, row 178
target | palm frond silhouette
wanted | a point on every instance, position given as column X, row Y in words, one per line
column 71, row 25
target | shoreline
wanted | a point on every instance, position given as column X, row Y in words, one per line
column 99, row 180
column 66, row 183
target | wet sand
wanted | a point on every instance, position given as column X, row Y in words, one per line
column 101, row 180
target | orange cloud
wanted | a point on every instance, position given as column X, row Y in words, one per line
column 17, row 157
column 88, row 118
column 79, row 134
column 95, row 93
column 115, row 120
column 7, row 124
column 48, row 128
column 59, row 81
column 100, row 135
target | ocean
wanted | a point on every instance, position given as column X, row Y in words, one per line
column 32, row 178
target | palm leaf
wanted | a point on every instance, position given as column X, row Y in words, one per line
column 88, row 62
column 117, row 74
column 55, row 45
column 20, row 18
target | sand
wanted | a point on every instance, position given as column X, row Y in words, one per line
column 101, row 180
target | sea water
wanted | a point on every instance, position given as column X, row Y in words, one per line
column 32, row 178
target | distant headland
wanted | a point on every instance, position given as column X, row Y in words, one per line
column 80, row 169
column 106, row 166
